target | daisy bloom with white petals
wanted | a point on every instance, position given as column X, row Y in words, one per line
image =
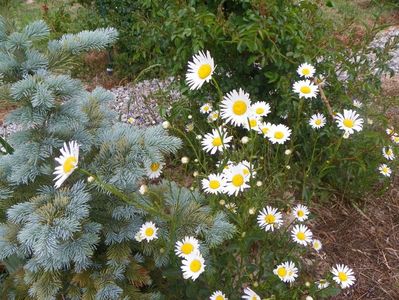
column 153, row 169
column 193, row 266
column 317, row 121
column 350, row 121
column 286, row 271
column 148, row 231
column 213, row 116
column 236, row 180
column 279, row 134
column 264, row 128
column 390, row 130
column 387, row 152
column 343, row 276
column 316, row 245
column 301, row 234
column 306, row 70
column 253, row 122
column 260, row 109
column 200, row 70
column 214, row 184
column 395, row 138
column 247, row 168
column 250, row 294
column 187, row 246
column 322, row 284
column 301, row 212
column 218, row 295
column 68, row 162
column 385, row 170
column 215, row 141
column 306, row 89
column 206, row 108
column 236, row 107
column 270, row 218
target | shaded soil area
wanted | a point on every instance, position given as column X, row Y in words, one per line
column 366, row 239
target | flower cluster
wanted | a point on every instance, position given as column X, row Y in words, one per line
column 193, row 264
column 388, row 152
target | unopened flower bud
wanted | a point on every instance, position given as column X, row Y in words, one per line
column 259, row 183
column 288, row 152
column 222, row 202
column 195, row 174
column 166, row 125
column 185, row 160
column 90, row 179
column 251, row 211
column 244, row 139
column 143, row 189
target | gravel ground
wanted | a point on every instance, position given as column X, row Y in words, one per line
column 384, row 37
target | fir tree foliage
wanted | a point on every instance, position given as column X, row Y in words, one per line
column 78, row 241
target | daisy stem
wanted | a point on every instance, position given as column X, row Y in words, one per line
column 119, row 194
column 218, row 89
column 192, row 146
column 326, row 102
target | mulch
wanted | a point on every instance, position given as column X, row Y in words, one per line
column 365, row 238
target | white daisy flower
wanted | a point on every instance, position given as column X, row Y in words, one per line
column 279, row 134
column 200, row 70
column 286, row 271
column 235, row 107
column 264, row 128
column 395, row 138
column 387, row 152
column 253, row 122
column 357, row 103
column 187, row 246
column 193, row 266
column 68, row 162
column 317, row 245
column 301, row 212
column 390, row 130
column 343, row 276
column 349, row 121
column 301, row 234
column 247, row 169
column 214, row 184
column 206, row 108
column 231, row 207
column 385, row 170
column 148, row 231
column 218, row 295
column 153, row 169
column 236, row 180
column 317, row 121
column 270, row 218
column 322, row 284
column 213, row 116
column 138, row 237
column 250, row 294
column 217, row 140
column 260, row 109
column 306, row 70
column 306, row 89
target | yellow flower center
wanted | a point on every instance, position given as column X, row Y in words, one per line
column 348, row 123
column 217, row 142
column 282, row 271
column 253, row 123
column 278, row 135
column 154, row 167
column 396, row 139
column 389, row 152
column 206, row 108
column 305, row 90
column 385, row 170
column 260, row 110
column 239, row 107
column 317, row 122
column 316, row 245
column 149, row 231
column 254, row 298
column 305, row 71
column 300, row 213
column 219, row 297
column 301, row 236
column 204, row 71
column 187, row 248
column 69, row 164
column 265, row 130
column 342, row 276
column 214, row 184
column 237, row 180
column 195, row 265
column 270, row 219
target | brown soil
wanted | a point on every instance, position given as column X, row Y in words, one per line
column 366, row 239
